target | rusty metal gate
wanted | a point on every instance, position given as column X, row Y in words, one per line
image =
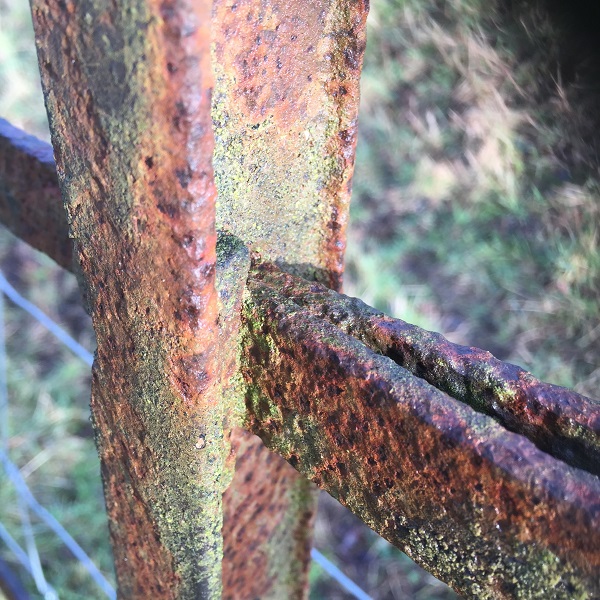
column 204, row 154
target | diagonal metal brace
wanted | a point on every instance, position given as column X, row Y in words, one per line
column 481, row 507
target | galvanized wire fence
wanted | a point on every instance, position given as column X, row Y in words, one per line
column 26, row 551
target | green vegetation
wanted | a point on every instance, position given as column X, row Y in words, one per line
column 475, row 213
column 49, row 423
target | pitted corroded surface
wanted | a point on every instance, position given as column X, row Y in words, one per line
column 268, row 508
column 268, row 525
column 30, row 202
column 285, row 110
column 480, row 507
column 127, row 88
column 559, row 421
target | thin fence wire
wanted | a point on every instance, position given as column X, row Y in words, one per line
column 30, row 558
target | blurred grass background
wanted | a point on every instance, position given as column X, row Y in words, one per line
column 475, row 213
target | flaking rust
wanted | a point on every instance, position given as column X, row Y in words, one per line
column 285, row 111
column 127, row 88
column 480, row 507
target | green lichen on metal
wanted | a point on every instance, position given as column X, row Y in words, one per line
column 301, row 498
column 233, row 265
column 285, row 200
column 525, row 572
column 559, row 421
column 125, row 104
column 121, row 48
column 476, row 505
column 285, row 110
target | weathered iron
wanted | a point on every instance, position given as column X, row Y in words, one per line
column 268, row 524
column 136, row 174
column 285, row 110
column 557, row 420
column 385, row 416
column 268, row 507
column 30, row 201
column 127, row 89
column 480, row 507
column 285, row 115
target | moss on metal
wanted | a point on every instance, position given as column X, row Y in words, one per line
column 285, row 112
column 478, row 506
column 559, row 421
column 129, row 108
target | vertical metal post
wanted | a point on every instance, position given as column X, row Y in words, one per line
column 128, row 89
column 285, row 110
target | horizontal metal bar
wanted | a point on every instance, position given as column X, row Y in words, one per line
column 557, row 420
column 479, row 506
column 30, row 202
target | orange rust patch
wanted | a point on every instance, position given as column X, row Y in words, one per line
column 286, row 108
column 268, row 523
column 479, row 506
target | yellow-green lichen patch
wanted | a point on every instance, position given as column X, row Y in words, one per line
column 477, row 505
column 127, row 90
column 285, row 109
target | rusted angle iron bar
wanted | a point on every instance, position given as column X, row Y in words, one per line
column 30, row 202
column 557, row 420
column 377, row 412
column 479, row 506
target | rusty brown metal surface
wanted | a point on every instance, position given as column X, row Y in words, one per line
column 268, row 508
column 559, row 421
column 30, row 202
column 127, row 88
column 480, row 507
column 268, row 525
column 285, row 110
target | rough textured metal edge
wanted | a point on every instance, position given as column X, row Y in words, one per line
column 285, row 110
column 127, row 88
column 480, row 507
column 30, row 202
column 268, row 525
column 268, row 508
column 559, row 421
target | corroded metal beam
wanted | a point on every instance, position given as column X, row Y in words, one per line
column 127, row 88
column 557, row 420
column 285, row 109
column 477, row 505
column 30, row 202
column 285, row 113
